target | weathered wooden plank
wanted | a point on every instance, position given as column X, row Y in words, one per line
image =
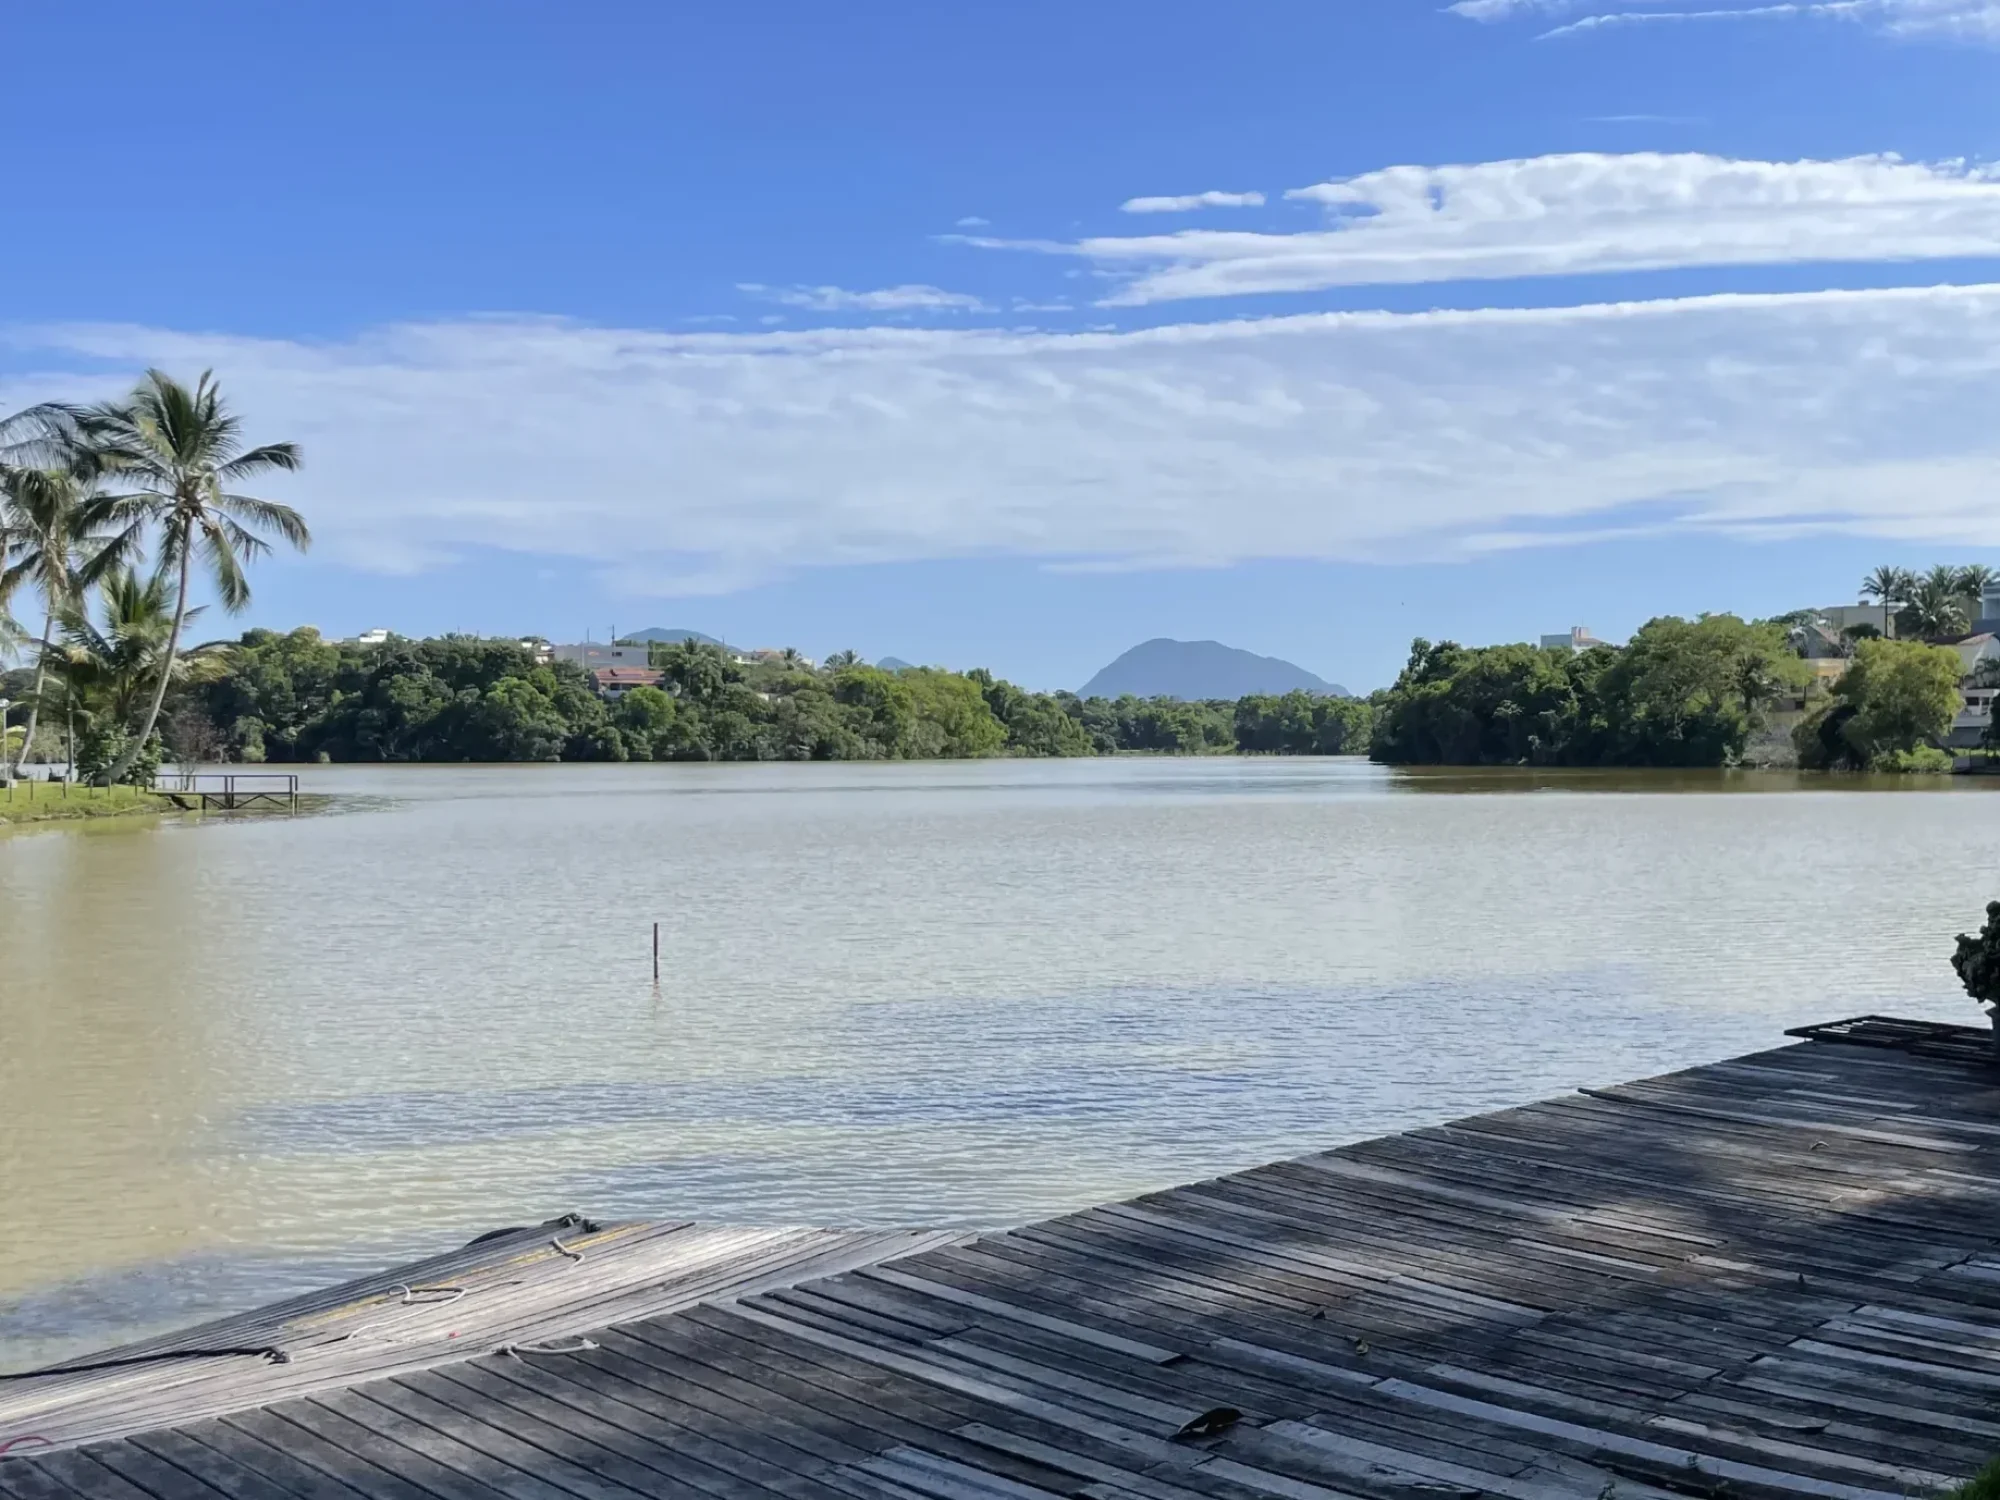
column 480, row 1433
column 216, row 1472
column 81, row 1475
column 615, row 1453
column 351, row 1469
column 860, row 1430
column 21, row 1480
column 904, row 1413
column 1694, row 1460
column 448, row 1480
column 281, row 1468
column 1158, row 1354
column 725, row 1470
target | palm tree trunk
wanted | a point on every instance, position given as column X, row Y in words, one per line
column 35, row 704
column 138, row 745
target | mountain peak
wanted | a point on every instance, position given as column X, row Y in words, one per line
column 1163, row 668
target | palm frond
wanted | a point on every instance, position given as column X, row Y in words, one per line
column 245, row 542
column 264, row 460
column 121, row 549
column 269, row 515
column 38, row 435
column 231, row 587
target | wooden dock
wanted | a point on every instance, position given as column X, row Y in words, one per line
column 1776, row 1276
column 229, row 791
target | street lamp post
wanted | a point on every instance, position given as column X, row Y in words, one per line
column 6, row 746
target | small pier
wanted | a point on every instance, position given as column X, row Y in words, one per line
column 201, row 791
column 1776, row 1276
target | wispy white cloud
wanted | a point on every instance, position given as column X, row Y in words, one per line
column 1568, row 215
column 1962, row 20
column 1188, row 202
column 973, row 221
column 1614, row 20
column 889, row 299
column 1361, row 435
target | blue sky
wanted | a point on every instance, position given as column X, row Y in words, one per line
column 1017, row 334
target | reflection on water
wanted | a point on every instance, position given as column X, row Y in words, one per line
column 239, row 1060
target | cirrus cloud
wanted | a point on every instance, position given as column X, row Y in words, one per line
column 1188, row 202
column 1958, row 20
column 1568, row 214
column 1355, row 435
column 890, row 299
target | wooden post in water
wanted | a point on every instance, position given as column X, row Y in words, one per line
column 656, row 953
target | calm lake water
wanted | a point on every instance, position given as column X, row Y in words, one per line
column 238, row 1060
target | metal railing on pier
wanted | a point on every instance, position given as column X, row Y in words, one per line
column 229, row 790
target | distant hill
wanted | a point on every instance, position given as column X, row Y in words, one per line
column 654, row 633
column 895, row 664
column 1201, row 669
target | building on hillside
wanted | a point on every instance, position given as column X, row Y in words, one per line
column 1976, row 651
column 1840, row 618
column 539, row 649
column 379, row 636
column 591, row 655
column 1989, row 610
column 613, row 683
column 1968, row 728
column 1578, row 639
column 1823, row 649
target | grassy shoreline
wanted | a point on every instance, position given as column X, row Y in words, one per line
column 53, row 802
column 29, row 803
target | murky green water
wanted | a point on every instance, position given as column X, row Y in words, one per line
column 240, row 1060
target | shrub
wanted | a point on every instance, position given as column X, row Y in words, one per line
column 1925, row 760
column 1977, row 962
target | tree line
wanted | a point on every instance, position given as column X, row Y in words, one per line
column 295, row 696
column 1680, row 693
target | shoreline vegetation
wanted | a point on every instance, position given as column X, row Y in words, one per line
column 26, row 802
column 30, row 803
column 1710, row 693
column 1717, row 691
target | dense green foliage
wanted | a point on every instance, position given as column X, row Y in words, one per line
column 1985, row 1485
column 1977, row 961
column 1682, row 693
column 1896, row 700
column 295, row 696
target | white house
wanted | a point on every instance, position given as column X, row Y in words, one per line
column 1578, row 639
column 1975, row 650
column 591, row 655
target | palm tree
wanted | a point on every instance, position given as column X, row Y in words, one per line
column 1933, row 605
column 108, row 669
column 176, row 452
column 841, row 659
column 53, row 527
column 1974, row 579
column 1892, row 587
